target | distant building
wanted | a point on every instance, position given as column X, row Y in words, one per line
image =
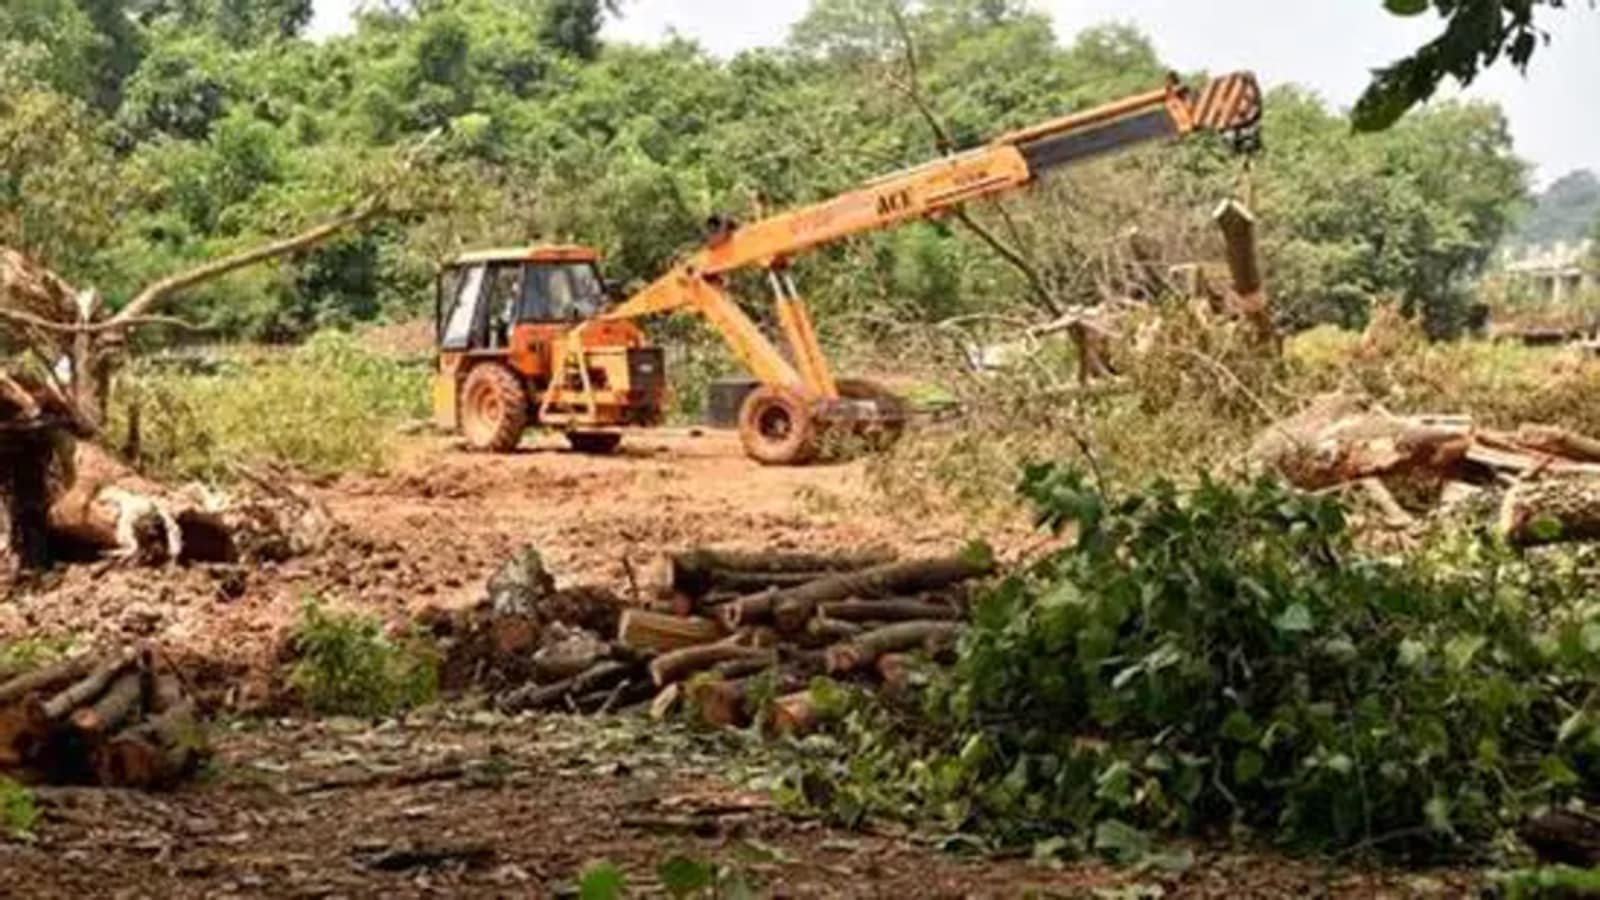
column 1553, row 274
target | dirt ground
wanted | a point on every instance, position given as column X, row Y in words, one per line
column 432, row 531
column 464, row 803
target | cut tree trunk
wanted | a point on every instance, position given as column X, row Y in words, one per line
column 113, row 708
column 1564, row 836
column 652, row 632
column 794, row 715
column 794, row 607
column 1551, row 510
column 157, row 754
column 1559, row 442
column 888, row 611
column 680, row 664
column 906, row 636
column 601, row 675
column 699, row 572
column 90, row 687
column 47, row 678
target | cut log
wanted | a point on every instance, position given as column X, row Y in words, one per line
column 680, row 664
column 895, row 670
column 888, row 611
column 157, row 754
column 794, row 607
column 1565, row 837
column 548, row 696
column 666, row 701
column 864, row 650
column 1336, row 441
column 119, row 702
column 1559, row 442
column 793, row 715
column 1551, row 510
column 89, row 688
column 652, row 632
column 831, row 631
column 719, row 703
column 24, row 728
column 698, row 572
column 736, row 614
column 47, row 678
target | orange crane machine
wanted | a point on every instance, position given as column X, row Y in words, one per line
column 526, row 336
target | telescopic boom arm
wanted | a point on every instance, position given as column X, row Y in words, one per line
column 1229, row 105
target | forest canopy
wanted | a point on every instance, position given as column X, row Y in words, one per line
column 137, row 136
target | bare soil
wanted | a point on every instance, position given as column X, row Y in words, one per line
column 464, row 803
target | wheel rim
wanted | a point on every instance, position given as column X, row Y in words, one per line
column 774, row 423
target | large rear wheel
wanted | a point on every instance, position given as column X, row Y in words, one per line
column 777, row 427
column 494, row 408
column 595, row 443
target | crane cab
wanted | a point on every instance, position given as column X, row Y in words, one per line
column 521, row 342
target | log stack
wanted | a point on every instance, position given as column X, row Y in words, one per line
column 1546, row 479
column 120, row 719
column 740, row 635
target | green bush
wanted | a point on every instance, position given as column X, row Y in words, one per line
column 346, row 665
column 18, row 814
column 323, row 408
column 1224, row 656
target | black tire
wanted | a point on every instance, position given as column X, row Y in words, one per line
column 493, row 408
column 778, row 427
column 595, row 443
column 884, row 433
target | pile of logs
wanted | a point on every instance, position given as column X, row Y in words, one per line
column 117, row 720
column 1546, row 479
column 742, row 634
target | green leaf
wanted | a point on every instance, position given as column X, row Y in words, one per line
column 1576, row 723
column 1546, row 528
column 1406, row 7
column 1556, row 771
column 1437, row 813
column 1239, row 727
column 1412, row 653
column 601, row 881
column 682, row 876
column 1248, row 766
column 1121, row 841
column 1461, row 649
column 1296, row 619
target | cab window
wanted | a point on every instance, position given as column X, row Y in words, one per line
column 459, row 296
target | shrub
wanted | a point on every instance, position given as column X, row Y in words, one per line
column 18, row 814
column 326, row 407
column 346, row 665
column 1224, row 656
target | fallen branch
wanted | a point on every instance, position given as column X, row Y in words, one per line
column 680, row 664
column 887, row 611
column 601, row 675
column 793, row 608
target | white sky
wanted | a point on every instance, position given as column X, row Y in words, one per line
column 1328, row 45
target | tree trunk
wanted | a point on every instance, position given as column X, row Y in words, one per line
column 1564, row 837
column 83, row 691
column 793, row 608
column 1551, row 510
column 157, row 754
column 864, row 650
column 601, row 675
column 794, row 715
column 680, row 664
column 44, row 679
column 888, row 611
column 697, row 573
column 656, row 632
column 113, row 708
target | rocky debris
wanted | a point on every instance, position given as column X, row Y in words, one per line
column 122, row 719
column 1546, row 479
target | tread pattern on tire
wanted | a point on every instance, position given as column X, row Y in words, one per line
column 798, row 448
column 507, row 432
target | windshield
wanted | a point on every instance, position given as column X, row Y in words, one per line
column 567, row 292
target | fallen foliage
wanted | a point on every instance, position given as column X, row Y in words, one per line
column 1226, row 656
